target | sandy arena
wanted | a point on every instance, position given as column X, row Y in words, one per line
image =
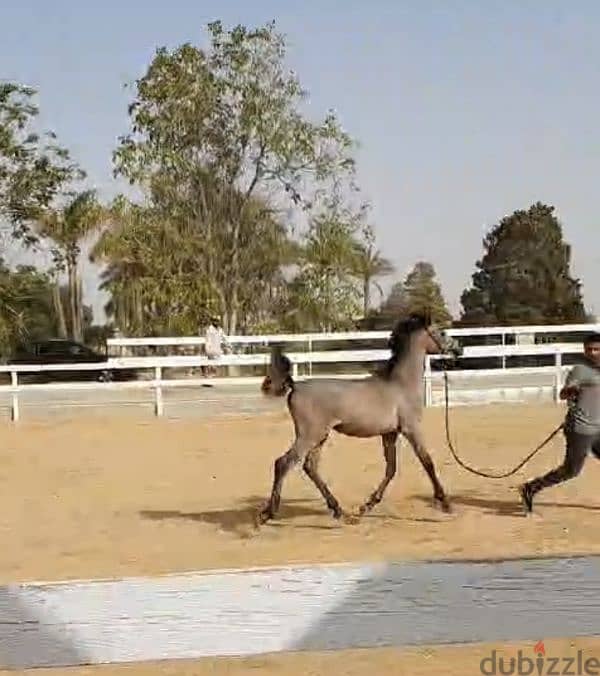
column 108, row 498
column 102, row 497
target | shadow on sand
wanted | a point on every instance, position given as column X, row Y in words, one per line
column 510, row 508
column 239, row 520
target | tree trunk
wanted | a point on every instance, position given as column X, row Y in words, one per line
column 231, row 310
column 79, row 287
column 139, row 312
column 59, row 309
column 73, row 304
column 366, row 295
column 232, row 314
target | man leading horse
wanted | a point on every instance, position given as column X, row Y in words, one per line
column 582, row 422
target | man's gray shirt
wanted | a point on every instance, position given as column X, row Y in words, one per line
column 584, row 411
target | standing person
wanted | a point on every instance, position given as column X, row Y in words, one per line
column 582, row 422
column 214, row 341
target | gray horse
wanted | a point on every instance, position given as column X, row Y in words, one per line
column 385, row 404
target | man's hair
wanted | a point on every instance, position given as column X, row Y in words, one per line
column 592, row 338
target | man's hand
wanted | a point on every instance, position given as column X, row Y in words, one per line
column 569, row 392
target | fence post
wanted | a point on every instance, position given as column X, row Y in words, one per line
column 557, row 376
column 295, row 370
column 14, row 411
column 309, row 356
column 158, row 399
column 428, row 389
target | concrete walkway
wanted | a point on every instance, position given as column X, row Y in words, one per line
column 297, row 608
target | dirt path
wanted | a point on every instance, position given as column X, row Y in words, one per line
column 112, row 497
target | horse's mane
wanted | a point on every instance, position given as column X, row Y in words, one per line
column 399, row 340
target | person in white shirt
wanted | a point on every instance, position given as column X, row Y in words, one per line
column 215, row 338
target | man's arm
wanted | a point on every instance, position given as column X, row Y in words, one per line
column 224, row 339
column 571, row 387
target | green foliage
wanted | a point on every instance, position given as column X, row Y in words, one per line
column 233, row 109
column 26, row 307
column 217, row 142
column 222, row 151
column 67, row 228
column 524, row 276
column 419, row 292
column 154, row 287
column 369, row 265
column 34, row 169
column 324, row 295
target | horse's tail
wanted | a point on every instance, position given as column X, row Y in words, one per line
column 279, row 379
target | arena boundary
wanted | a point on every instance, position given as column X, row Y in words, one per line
column 297, row 608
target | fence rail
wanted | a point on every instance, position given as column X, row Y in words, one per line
column 308, row 338
column 157, row 365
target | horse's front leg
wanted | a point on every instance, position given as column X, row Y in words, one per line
column 311, row 468
column 390, row 453
column 417, row 441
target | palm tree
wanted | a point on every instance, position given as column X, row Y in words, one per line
column 67, row 228
column 369, row 264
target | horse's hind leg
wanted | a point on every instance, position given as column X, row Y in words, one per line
column 389, row 451
column 311, row 467
column 282, row 466
column 415, row 438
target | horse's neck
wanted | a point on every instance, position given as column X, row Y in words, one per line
column 409, row 371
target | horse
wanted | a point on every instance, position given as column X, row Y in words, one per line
column 386, row 403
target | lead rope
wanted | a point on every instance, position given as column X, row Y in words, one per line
column 479, row 472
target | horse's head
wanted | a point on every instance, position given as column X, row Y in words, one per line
column 417, row 332
column 433, row 339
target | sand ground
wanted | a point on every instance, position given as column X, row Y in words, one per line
column 106, row 498
column 113, row 497
column 424, row 661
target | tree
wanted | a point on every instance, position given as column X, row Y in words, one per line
column 158, row 263
column 67, row 228
column 33, row 168
column 369, row 265
column 420, row 292
column 26, row 307
column 324, row 295
column 217, row 136
column 35, row 174
column 524, row 276
column 154, row 285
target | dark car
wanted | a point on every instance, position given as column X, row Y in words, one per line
column 59, row 351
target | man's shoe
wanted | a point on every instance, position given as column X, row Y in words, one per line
column 526, row 497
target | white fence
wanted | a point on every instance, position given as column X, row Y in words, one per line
column 520, row 334
column 157, row 365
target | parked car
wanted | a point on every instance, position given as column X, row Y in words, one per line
column 60, row 351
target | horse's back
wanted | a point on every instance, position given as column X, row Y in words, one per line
column 355, row 407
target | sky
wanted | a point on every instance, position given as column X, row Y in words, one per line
column 463, row 111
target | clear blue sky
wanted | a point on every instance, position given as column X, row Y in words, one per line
column 464, row 111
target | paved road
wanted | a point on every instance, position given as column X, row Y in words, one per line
column 298, row 608
column 244, row 399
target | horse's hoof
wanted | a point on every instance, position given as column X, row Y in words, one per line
column 526, row 499
column 350, row 519
column 444, row 505
column 262, row 517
